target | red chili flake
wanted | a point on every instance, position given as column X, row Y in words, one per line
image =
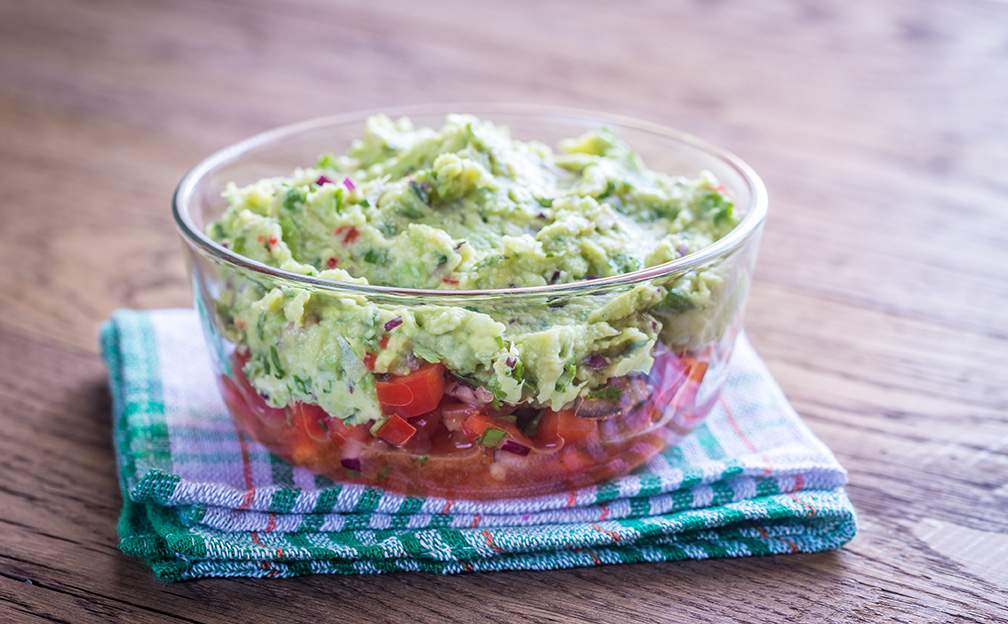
column 383, row 342
column 340, row 230
column 272, row 241
column 241, row 325
column 450, row 280
column 720, row 188
column 323, row 180
column 351, row 236
column 369, row 359
column 261, row 238
column 331, row 263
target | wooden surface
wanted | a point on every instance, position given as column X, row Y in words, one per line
column 880, row 301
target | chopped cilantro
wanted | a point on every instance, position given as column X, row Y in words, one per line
column 492, row 437
column 422, row 191
column 277, row 369
column 605, row 392
column 677, row 301
column 376, row 256
column 326, row 161
column 624, row 263
column 303, row 385
column 337, row 200
column 566, row 376
column 294, row 196
column 518, row 371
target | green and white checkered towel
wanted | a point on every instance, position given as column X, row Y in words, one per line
column 202, row 500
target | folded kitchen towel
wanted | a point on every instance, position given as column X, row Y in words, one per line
column 200, row 499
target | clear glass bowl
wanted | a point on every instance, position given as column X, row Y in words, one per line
column 532, row 450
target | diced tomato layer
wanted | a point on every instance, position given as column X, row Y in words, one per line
column 412, row 394
column 564, row 426
column 475, row 428
column 441, row 446
column 311, row 419
column 396, row 431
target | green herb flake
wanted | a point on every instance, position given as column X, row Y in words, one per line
column 275, row 357
column 376, row 256
column 605, row 392
column 294, row 197
column 303, row 385
column 499, row 341
column 677, row 301
column 440, row 259
column 216, row 232
column 624, row 263
column 326, row 161
column 337, row 200
column 422, row 191
column 261, row 327
column 492, row 437
column 567, row 376
column 518, row 371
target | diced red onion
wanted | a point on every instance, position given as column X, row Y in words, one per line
column 396, row 322
column 351, row 463
column 510, row 362
column 483, row 394
column 348, row 184
column 513, row 447
column 595, row 362
column 468, row 394
column 323, row 180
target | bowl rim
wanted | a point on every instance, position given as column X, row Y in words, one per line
column 734, row 239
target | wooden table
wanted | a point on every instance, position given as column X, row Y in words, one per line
column 880, row 301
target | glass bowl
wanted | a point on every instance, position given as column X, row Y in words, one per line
column 475, row 447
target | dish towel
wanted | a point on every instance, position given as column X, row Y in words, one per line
column 202, row 500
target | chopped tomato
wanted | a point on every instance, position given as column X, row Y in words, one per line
column 339, row 431
column 312, row 419
column 490, row 431
column 685, row 396
column 369, row 359
column 413, row 394
column 565, row 425
column 396, row 431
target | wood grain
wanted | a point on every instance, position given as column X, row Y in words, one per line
column 880, row 301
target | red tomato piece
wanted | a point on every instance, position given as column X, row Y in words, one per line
column 393, row 395
column 311, row 419
column 565, row 425
column 413, row 394
column 476, row 426
column 396, row 431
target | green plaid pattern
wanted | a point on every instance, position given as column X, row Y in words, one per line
column 201, row 499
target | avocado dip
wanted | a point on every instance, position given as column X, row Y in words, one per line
column 468, row 207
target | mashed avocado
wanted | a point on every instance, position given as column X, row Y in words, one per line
column 468, row 207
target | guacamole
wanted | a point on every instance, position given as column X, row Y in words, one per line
column 468, row 207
